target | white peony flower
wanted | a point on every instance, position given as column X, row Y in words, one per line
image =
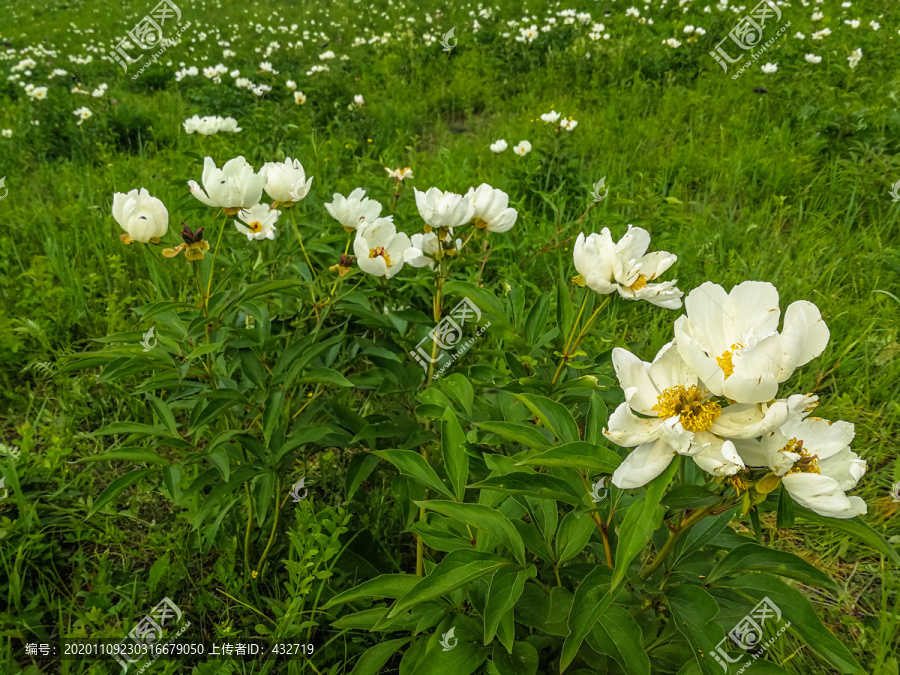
column 492, row 212
column 550, row 117
column 354, row 210
column 605, row 266
column 233, row 187
column 260, row 222
column 731, row 340
column 680, row 417
column 286, row 181
column 380, row 250
column 443, row 209
column 523, row 148
column 499, row 146
column 813, row 458
column 144, row 218
column 769, row 68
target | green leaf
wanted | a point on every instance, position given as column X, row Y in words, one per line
column 641, row 520
column 565, row 312
column 574, row 533
column 522, row 661
column 536, row 485
column 554, row 416
column 164, row 414
column 219, row 459
column 855, row 527
column 453, row 448
column 690, row 497
column 693, row 611
column 526, row 434
column 374, row 658
column 579, row 455
column 384, row 586
column 116, row 488
column 456, row 570
column 412, row 464
column 785, row 517
column 505, row 588
column 272, row 413
column 619, row 636
column 130, row 428
column 361, row 467
column 265, row 491
column 129, row 454
column 596, row 421
column 459, row 389
column 325, row 376
column 592, row 598
column 537, row 319
column 483, row 518
column 796, row 609
column 755, row 557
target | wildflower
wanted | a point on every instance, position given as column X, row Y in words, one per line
column 769, row 68
column 233, row 187
column 523, row 148
column 626, row 267
column 499, row 146
column 286, row 182
column 854, row 58
column 83, row 114
column 399, row 174
column 381, row 250
column 680, row 417
column 568, row 124
column 492, row 212
column 259, row 222
column 299, row 97
column 442, row 210
column 144, row 218
column 812, row 58
column 731, row 340
column 194, row 246
column 550, row 117
column 354, row 210
column 812, row 457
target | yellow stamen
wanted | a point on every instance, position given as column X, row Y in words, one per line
column 724, row 361
column 255, row 226
column 695, row 413
column 639, row 284
column 480, row 224
column 380, row 252
column 738, row 483
column 807, row 463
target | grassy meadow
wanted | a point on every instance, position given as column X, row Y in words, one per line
column 127, row 480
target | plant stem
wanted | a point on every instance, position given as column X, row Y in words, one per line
column 667, row 548
column 567, row 352
column 212, row 268
column 274, row 525
column 247, row 534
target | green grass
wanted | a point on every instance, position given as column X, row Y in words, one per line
column 788, row 186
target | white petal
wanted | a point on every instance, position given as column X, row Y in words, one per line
column 644, row 464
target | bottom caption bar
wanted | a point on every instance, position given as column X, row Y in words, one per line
column 133, row 653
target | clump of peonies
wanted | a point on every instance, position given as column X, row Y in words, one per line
column 211, row 124
column 710, row 394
